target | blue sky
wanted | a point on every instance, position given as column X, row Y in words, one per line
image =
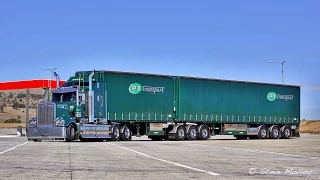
column 217, row 39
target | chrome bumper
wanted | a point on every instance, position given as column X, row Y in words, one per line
column 46, row 132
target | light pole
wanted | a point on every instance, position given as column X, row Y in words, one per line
column 51, row 77
column 281, row 64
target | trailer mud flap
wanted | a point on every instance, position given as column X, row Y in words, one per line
column 156, row 129
column 296, row 132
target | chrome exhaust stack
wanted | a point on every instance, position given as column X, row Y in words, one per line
column 57, row 79
column 90, row 99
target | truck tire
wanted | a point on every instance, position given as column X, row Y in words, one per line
column 263, row 132
column 274, row 132
column 192, row 133
column 286, row 132
column 204, row 132
column 181, row 133
column 70, row 133
column 126, row 134
column 115, row 133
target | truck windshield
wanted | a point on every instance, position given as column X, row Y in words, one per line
column 72, row 83
column 63, row 97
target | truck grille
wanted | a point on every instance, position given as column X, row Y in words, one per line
column 46, row 114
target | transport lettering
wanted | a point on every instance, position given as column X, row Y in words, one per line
column 272, row 96
column 136, row 88
column 153, row 89
column 285, row 97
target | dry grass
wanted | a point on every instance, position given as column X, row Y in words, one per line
column 31, row 91
column 16, row 113
column 312, row 127
column 12, row 125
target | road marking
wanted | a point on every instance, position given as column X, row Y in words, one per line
column 260, row 151
column 169, row 162
column 13, row 148
column 8, row 136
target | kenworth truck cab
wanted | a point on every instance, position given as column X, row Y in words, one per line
column 71, row 113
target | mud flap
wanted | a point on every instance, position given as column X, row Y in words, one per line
column 296, row 132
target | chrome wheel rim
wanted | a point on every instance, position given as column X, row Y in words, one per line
column 180, row 133
column 193, row 133
column 287, row 132
column 204, row 133
column 116, row 132
column 275, row 133
column 127, row 133
column 72, row 133
column 263, row 133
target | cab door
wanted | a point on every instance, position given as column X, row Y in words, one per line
column 99, row 89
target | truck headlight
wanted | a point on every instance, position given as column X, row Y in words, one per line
column 33, row 122
column 59, row 122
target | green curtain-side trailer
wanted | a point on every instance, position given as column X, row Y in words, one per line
column 221, row 101
column 142, row 98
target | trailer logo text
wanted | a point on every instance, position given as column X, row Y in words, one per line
column 136, row 88
column 272, row 96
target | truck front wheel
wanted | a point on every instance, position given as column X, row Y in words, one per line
column 70, row 133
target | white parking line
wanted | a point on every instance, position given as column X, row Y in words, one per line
column 177, row 164
column 13, row 148
column 261, row 151
column 8, row 136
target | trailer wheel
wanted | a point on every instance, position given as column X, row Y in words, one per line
column 115, row 133
column 192, row 133
column 70, row 133
column 286, row 133
column 204, row 132
column 126, row 134
column 263, row 132
column 181, row 133
column 274, row 132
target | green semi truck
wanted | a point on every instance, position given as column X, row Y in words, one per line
column 99, row 105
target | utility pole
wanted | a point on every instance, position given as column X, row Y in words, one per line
column 282, row 67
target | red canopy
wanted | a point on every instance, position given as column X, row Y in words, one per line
column 29, row 84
